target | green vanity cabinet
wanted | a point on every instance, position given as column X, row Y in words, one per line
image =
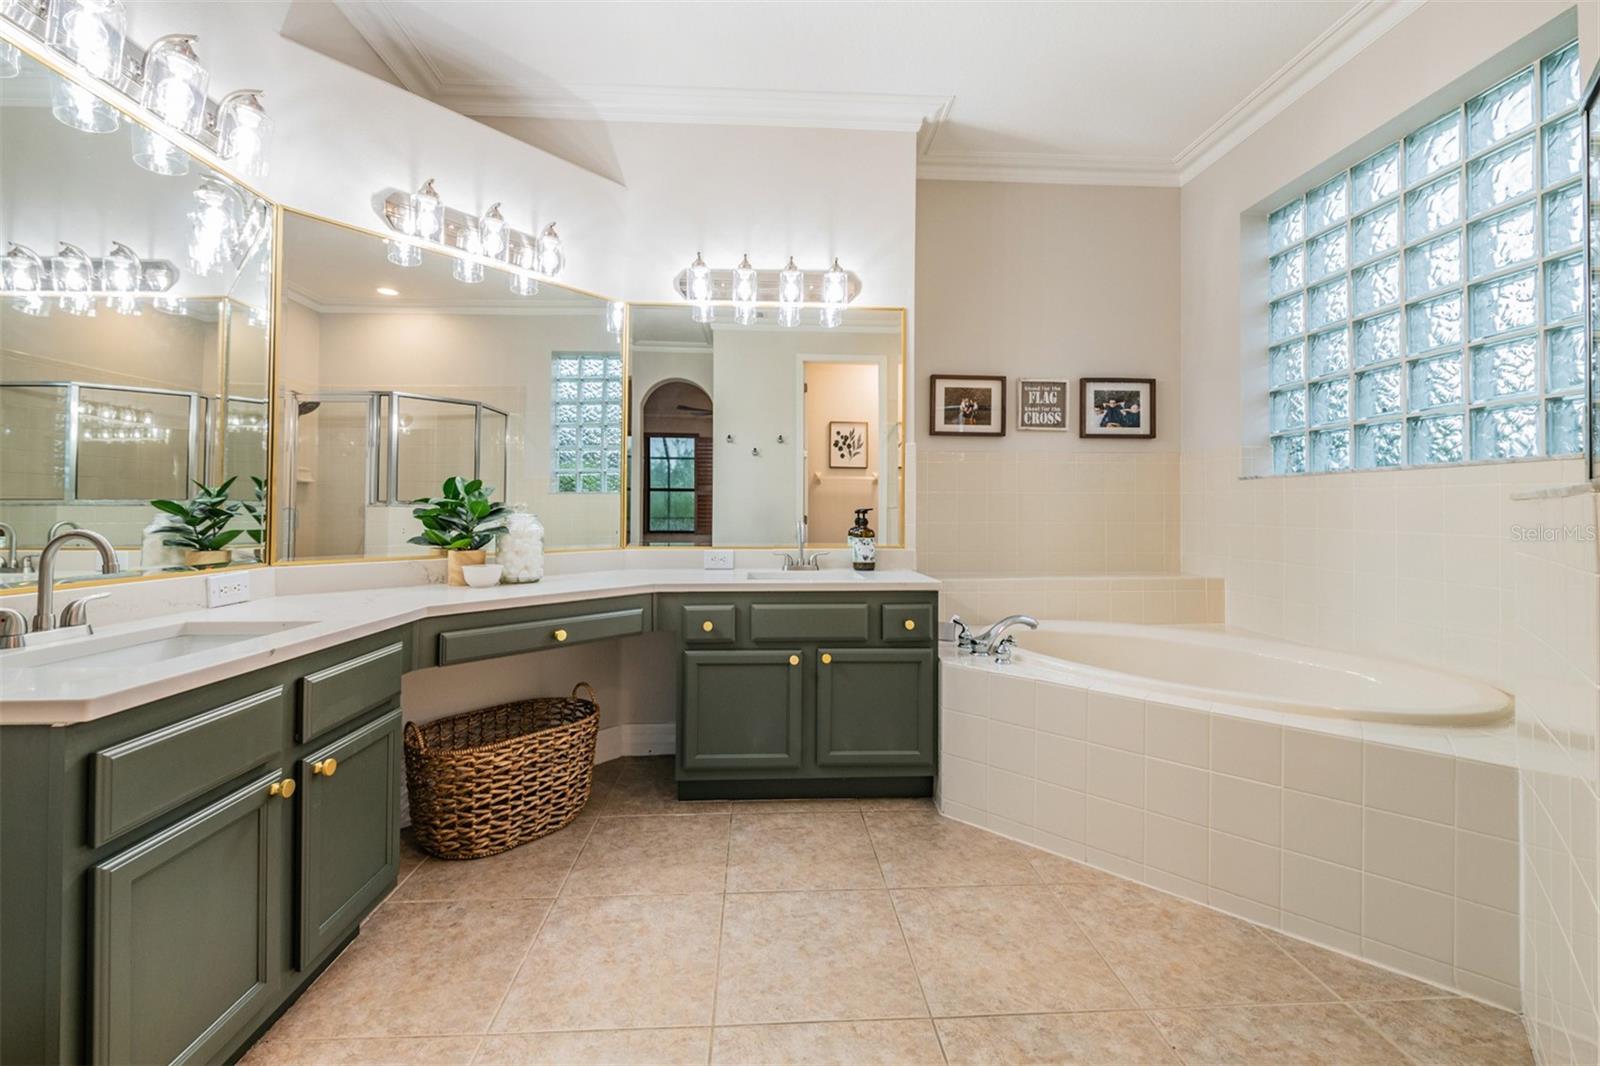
column 875, row 707
column 743, row 710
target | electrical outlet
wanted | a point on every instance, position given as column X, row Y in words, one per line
column 719, row 560
column 223, row 589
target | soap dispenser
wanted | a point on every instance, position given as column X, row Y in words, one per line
column 863, row 549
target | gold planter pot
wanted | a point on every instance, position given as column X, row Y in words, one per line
column 455, row 560
column 200, row 558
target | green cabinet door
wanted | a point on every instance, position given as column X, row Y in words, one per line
column 349, row 832
column 875, row 707
column 742, row 710
column 185, row 932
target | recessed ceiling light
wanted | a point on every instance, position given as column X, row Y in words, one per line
column 384, row 290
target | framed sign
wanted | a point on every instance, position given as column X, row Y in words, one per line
column 1117, row 407
column 847, row 445
column 969, row 405
column 1041, row 404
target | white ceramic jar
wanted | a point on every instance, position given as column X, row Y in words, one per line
column 520, row 549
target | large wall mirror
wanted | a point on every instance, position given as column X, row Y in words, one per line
column 134, row 336
column 399, row 368
column 741, row 432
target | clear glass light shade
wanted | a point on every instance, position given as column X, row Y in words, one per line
column 10, row 60
column 33, row 305
column 72, row 270
column 616, row 312
column 703, row 313
column 89, row 33
column 403, row 253
column 158, row 155
column 469, row 271
column 427, row 213
column 175, row 84
column 122, row 270
column 214, row 223
column 171, row 305
column 831, row 317
column 552, row 257
column 524, row 284
column 699, row 281
column 21, row 270
column 791, row 293
column 75, row 106
column 244, row 132
column 492, row 233
column 835, row 286
column 789, row 314
column 744, row 282
column 745, row 314
column 159, row 277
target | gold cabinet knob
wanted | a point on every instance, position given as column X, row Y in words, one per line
column 794, row 660
column 826, row 658
column 284, row 788
column 707, row 626
column 560, row 635
column 910, row 625
column 325, row 767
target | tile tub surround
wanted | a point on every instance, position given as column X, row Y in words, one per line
column 1556, row 674
column 836, row 931
column 1394, row 844
column 1155, row 599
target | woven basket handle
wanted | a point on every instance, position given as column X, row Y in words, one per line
column 414, row 736
column 593, row 697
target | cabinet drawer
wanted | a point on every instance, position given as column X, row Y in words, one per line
column 808, row 621
column 715, row 623
column 465, row 645
column 906, row 622
column 349, row 689
column 141, row 778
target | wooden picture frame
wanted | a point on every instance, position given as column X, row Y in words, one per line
column 847, row 446
column 967, row 405
column 1117, row 407
column 1044, row 404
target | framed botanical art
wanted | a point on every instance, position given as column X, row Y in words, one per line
column 1117, row 407
column 847, row 445
column 1042, row 404
column 967, row 405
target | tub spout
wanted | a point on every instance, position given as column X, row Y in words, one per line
column 985, row 643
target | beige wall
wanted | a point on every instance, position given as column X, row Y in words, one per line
column 840, row 392
column 1047, row 281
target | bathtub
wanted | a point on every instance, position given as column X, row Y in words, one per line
column 1219, row 667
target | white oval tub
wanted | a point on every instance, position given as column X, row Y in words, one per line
column 1246, row 671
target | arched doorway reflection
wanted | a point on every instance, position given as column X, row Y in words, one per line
column 677, row 422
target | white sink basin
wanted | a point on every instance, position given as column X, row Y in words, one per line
column 795, row 575
column 141, row 646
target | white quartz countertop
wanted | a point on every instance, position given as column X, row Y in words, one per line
column 68, row 691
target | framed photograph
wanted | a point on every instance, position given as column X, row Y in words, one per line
column 1117, row 407
column 967, row 405
column 847, row 445
column 1042, row 404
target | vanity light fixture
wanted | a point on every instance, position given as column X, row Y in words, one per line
column 699, row 291
column 791, row 293
column 744, row 292
column 22, row 271
column 790, row 288
column 158, row 155
column 175, row 83
column 72, row 275
column 77, row 107
column 552, row 256
column 121, row 274
column 90, row 33
column 423, row 216
column 469, row 271
column 427, row 213
column 243, row 132
column 215, row 222
column 835, row 294
column 403, row 253
column 73, row 279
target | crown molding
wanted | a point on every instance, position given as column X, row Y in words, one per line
column 1047, row 168
column 1335, row 46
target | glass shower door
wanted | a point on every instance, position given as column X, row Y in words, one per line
column 330, row 483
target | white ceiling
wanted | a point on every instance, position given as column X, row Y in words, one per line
column 1135, row 92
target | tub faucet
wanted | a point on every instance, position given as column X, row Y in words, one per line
column 44, row 608
column 989, row 641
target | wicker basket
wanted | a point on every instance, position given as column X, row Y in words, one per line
column 486, row 781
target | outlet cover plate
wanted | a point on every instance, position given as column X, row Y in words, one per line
column 223, row 589
column 719, row 560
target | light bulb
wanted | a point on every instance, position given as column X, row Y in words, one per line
column 10, row 60
column 551, row 256
column 836, row 286
column 122, row 269
column 171, row 305
column 158, row 155
column 616, row 312
column 492, row 233
column 427, row 213
column 213, row 225
column 89, row 33
column 791, row 287
column 32, row 304
column 469, row 271
column 243, row 132
column 175, row 83
column 75, row 106
column 159, row 276
column 403, row 253
column 524, row 255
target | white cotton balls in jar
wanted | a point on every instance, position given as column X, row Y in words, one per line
column 520, row 549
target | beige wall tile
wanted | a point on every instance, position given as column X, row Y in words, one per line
column 1246, row 748
column 1326, row 765
column 1410, row 782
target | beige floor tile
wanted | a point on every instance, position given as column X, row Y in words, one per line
column 1306, row 1034
column 363, row 1051
column 1107, row 894
column 646, row 786
column 919, row 850
column 800, row 850
column 533, row 871
column 651, row 855
column 1352, row 979
column 814, row 956
column 879, row 1043
column 419, row 968
column 614, row 1047
column 1456, row 1032
column 618, row 962
column 1002, row 950
column 1170, row 953
column 411, row 856
column 899, row 803
column 794, row 806
column 1054, row 870
column 1124, row 1037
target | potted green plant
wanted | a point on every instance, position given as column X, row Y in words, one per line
column 460, row 523
column 199, row 524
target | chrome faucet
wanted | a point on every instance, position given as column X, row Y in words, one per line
column 800, row 560
column 10, row 565
column 990, row 641
column 61, row 527
column 44, row 608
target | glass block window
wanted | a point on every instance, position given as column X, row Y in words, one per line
column 1425, row 305
column 586, row 422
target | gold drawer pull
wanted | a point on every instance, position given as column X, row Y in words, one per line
column 560, row 635
column 794, row 660
column 325, row 767
column 910, row 625
column 826, row 658
column 284, row 788
column 707, row 625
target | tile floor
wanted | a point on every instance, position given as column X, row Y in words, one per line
column 836, row 931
